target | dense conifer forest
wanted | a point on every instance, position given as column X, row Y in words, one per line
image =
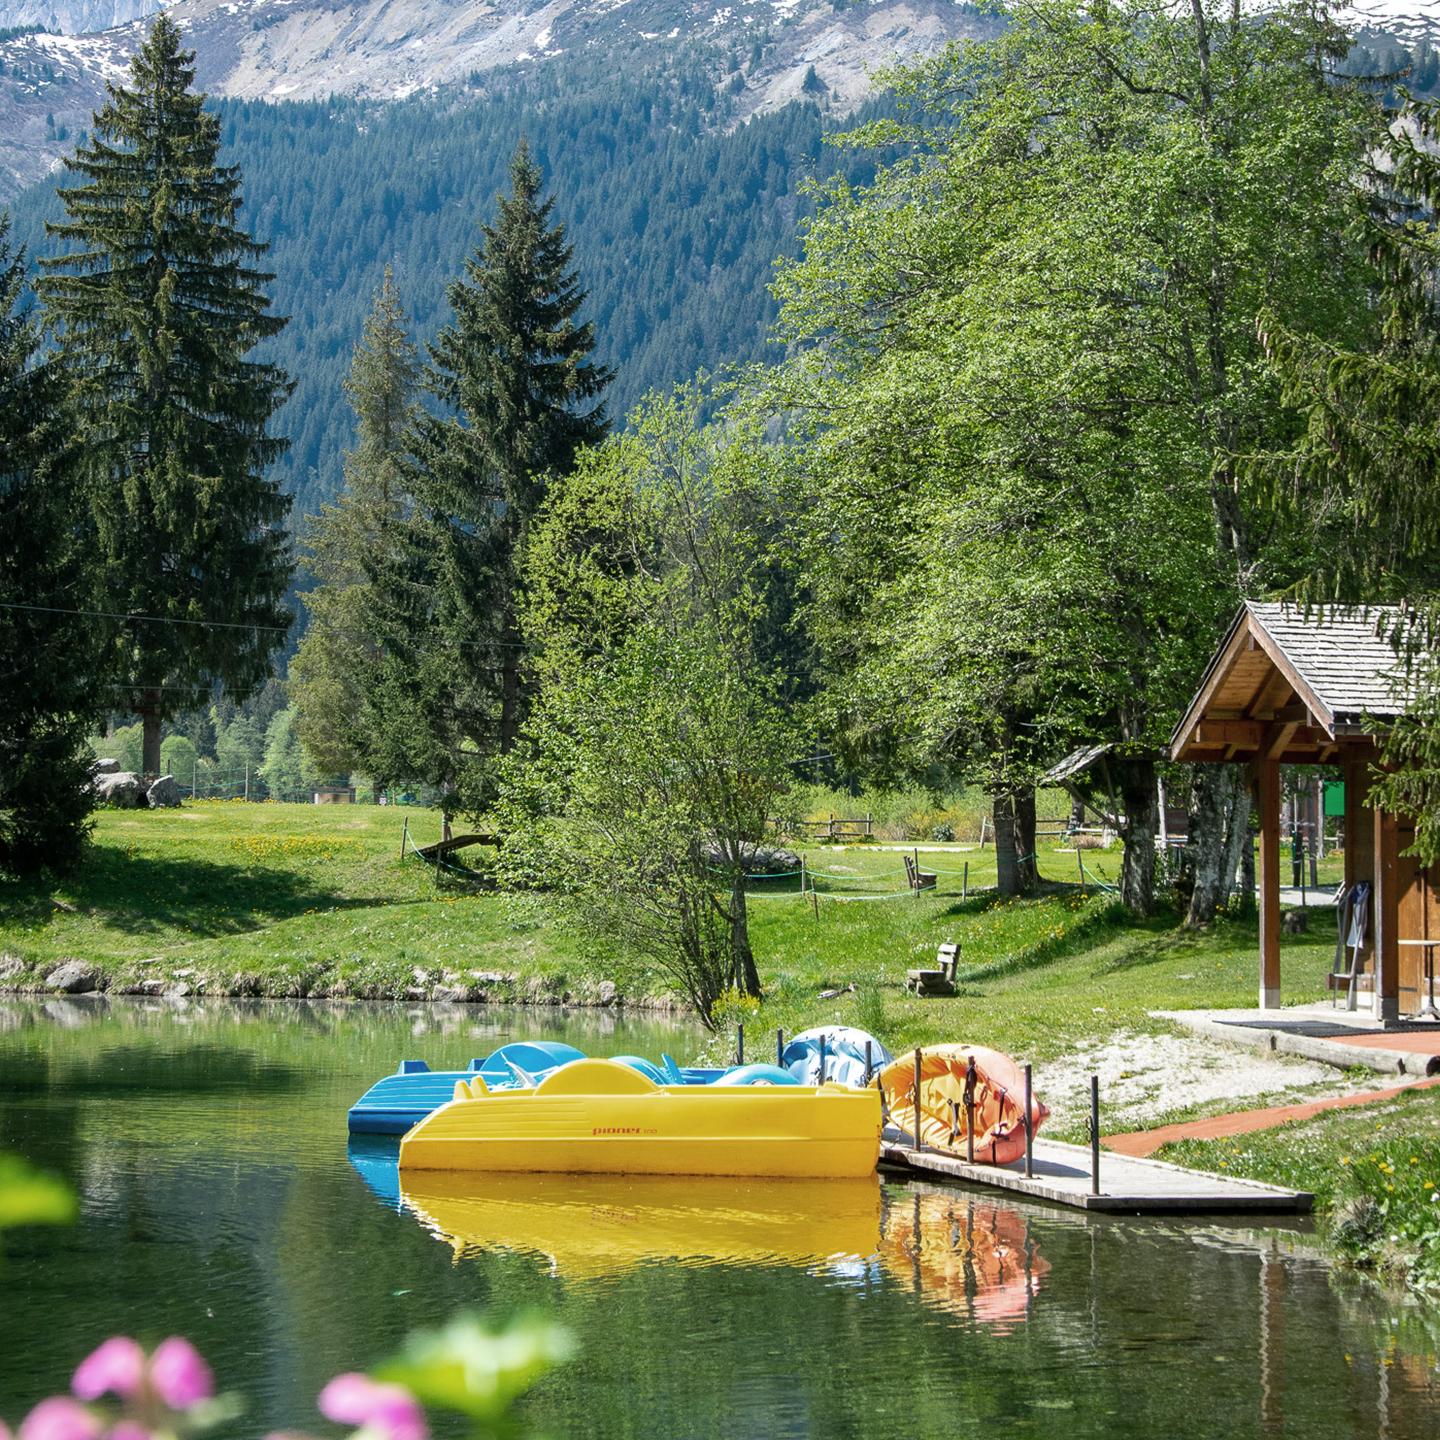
column 675, row 210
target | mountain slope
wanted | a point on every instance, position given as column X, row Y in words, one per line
column 761, row 51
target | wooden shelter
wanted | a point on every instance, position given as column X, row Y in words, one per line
column 1287, row 688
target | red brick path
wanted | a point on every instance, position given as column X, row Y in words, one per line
column 1242, row 1122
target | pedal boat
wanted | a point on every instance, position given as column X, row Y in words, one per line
column 601, row 1117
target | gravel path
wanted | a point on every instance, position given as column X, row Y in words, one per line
column 1145, row 1076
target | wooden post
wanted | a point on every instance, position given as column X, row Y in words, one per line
column 404, row 837
column 194, row 779
column 1387, row 918
column 1164, row 826
column 964, row 881
column 740, row 1044
column 247, row 779
column 916, row 1145
column 1029, row 1124
column 1268, row 804
column 1094, row 1134
column 780, row 1048
column 983, row 819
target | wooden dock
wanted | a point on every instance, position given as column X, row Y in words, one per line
column 1129, row 1185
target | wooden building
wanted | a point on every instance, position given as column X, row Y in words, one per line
column 1286, row 688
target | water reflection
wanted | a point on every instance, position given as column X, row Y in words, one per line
column 586, row 1226
column 971, row 1256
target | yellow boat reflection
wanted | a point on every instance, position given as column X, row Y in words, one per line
column 971, row 1257
column 592, row 1225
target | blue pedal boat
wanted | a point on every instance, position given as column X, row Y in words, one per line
column 392, row 1105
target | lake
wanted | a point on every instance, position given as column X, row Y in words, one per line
column 221, row 1200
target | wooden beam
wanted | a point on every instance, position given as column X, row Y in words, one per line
column 1241, row 733
column 1278, row 738
column 1387, row 917
column 1267, row 778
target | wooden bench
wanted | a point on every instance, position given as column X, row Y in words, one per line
column 939, row 981
column 919, row 879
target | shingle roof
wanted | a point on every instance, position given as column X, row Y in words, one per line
column 1338, row 653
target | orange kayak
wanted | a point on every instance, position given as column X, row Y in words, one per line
column 999, row 1101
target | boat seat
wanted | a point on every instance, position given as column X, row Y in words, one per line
column 595, row 1077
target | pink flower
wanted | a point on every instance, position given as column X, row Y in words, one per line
column 128, row 1430
column 389, row 1410
column 59, row 1418
column 180, row 1377
column 117, row 1368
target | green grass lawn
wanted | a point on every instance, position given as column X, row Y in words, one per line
column 301, row 899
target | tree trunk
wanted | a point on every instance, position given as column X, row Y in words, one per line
column 1027, row 861
column 1238, row 842
column 1212, row 803
column 150, row 719
column 1219, row 830
column 1247, row 859
column 1014, row 857
column 1137, row 864
column 747, row 977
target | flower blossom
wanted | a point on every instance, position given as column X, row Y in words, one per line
column 387, row 1411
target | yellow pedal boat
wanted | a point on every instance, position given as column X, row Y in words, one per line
column 601, row 1117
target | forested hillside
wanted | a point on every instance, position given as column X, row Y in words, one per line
column 676, row 223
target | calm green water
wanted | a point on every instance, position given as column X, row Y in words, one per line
column 220, row 1201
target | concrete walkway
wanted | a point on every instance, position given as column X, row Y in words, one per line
column 1245, row 1122
column 1321, row 1032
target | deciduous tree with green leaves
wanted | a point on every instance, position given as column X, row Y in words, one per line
column 155, row 308
column 1025, row 362
column 661, row 750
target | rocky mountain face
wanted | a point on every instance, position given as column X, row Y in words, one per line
column 73, row 17
column 768, row 52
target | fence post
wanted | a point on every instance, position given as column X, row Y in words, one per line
column 404, row 837
column 740, row 1043
column 970, row 1078
column 1094, row 1134
column 247, row 779
column 1080, row 861
column 1029, row 1126
column 965, row 882
column 194, row 778
column 779, row 1047
column 916, row 1145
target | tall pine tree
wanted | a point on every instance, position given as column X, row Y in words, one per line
column 155, row 311
column 353, row 540
column 518, row 396
column 49, row 682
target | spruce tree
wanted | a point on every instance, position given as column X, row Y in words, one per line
column 520, row 396
column 352, row 540
column 155, row 310
column 50, row 688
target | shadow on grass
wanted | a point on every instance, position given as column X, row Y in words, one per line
column 144, row 894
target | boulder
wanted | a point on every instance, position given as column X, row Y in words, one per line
column 452, row 994
column 758, row 859
column 608, row 993
column 150, row 987
column 124, row 789
column 105, row 767
column 12, row 968
column 163, row 793
column 73, row 977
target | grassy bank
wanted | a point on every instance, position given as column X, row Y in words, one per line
column 1375, row 1174
column 290, row 900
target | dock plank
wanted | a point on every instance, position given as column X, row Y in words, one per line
column 1129, row 1184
